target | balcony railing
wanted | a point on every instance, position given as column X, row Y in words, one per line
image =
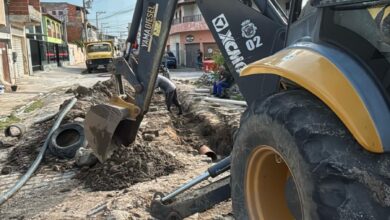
column 192, row 18
column 185, row 19
column 176, row 21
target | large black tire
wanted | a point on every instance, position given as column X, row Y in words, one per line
column 67, row 139
column 334, row 176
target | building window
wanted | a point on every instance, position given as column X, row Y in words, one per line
column 58, row 31
column 63, row 52
column 49, row 28
column 53, row 12
column 51, row 53
column 43, row 50
column 60, row 13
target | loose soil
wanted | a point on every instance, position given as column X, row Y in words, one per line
column 128, row 180
column 138, row 162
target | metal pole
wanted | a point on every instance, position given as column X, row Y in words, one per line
column 97, row 20
column 102, row 30
column 85, row 21
column 66, row 26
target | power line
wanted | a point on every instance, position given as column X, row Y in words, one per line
column 121, row 12
column 124, row 25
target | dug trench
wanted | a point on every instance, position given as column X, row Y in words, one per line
column 164, row 156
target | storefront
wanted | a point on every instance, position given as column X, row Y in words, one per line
column 48, row 50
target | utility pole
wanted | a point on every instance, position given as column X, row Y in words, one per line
column 86, row 4
column 102, row 30
column 97, row 18
column 65, row 20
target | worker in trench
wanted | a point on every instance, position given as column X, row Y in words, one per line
column 169, row 89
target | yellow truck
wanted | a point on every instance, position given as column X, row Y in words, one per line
column 99, row 54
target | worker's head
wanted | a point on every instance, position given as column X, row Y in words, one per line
column 221, row 68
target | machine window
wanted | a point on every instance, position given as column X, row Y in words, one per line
column 98, row 48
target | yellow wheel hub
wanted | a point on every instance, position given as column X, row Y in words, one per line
column 265, row 183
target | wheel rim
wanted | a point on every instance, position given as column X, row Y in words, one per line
column 265, row 184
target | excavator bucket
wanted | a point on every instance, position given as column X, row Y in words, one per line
column 108, row 126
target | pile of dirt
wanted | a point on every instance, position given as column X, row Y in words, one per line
column 128, row 165
column 136, row 163
column 141, row 161
column 27, row 148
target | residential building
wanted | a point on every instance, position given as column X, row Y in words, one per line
column 5, row 44
column 92, row 32
column 22, row 14
column 47, row 45
column 73, row 16
column 189, row 32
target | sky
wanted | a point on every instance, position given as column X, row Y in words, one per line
column 118, row 13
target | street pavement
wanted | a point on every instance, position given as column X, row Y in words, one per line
column 44, row 82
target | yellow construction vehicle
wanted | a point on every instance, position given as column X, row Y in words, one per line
column 99, row 54
column 314, row 142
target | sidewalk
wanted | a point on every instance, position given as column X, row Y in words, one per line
column 44, row 82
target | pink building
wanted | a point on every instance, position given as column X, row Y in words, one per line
column 189, row 32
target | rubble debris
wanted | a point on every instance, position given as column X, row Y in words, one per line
column 26, row 149
column 98, row 209
column 155, row 132
column 15, row 130
column 84, row 157
column 82, row 91
column 34, row 166
column 7, row 142
column 118, row 215
column 138, row 162
column 168, row 137
column 79, row 120
column 6, row 170
column 207, row 79
column 148, row 137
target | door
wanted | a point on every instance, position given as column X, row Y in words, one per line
column 191, row 54
column 178, row 53
column 5, row 63
column 35, row 55
column 17, row 46
column 57, row 52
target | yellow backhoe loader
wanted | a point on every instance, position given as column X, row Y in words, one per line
column 314, row 141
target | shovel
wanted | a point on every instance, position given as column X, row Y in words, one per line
column 108, row 126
